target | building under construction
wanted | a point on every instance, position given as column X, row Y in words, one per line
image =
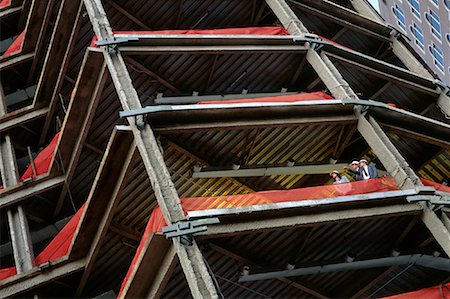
column 183, row 148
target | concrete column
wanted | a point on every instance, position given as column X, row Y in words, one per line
column 191, row 259
column 287, row 17
column 17, row 220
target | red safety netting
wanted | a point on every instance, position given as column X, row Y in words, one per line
column 43, row 160
column 7, row 272
column 437, row 292
column 56, row 249
column 16, row 45
column 156, row 221
column 272, row 30
column 436, row 186
column 5, row 3
column 332, row 42
column 60, row 245
column 277, row 196
column 319, row 95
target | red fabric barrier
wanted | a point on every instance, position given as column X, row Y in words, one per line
column 437, row 292
column 319, row 95
column 332, row 42
column 7, row 272
column 43, row 160
column 267, row 197
column 156, row 221
column 436, row 186
column 5, row 3
column 223, row 31
column 16, row 46
column 60, row 245
column 56, row 249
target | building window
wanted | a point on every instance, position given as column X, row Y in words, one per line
column 415, row 7
column 400, row 15
column 435, row 2
column 438, row 56
column 435, row 23
column 418, row 36
column 447, row 3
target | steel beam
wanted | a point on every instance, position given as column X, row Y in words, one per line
column 330, row 76
column 80, row 114
column 269, row 171
column 57, row 59
column 246, row 261
column 191, row 259
column 438, row 263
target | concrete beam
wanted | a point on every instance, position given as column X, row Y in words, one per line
column 444, row 103
column 191, row 259
column 14, row 195
column 320, row 218
column 57, row 59
column 330, row 76
column 12, row 120
column 19, row 284
column 152, row 269
column 103, row 198
column 80, row 114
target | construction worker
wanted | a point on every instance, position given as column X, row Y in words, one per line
column 354, row 169
column 338, row 179
column 364, row 171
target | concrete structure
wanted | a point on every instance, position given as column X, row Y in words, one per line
column 132, row 137
column 426, row 23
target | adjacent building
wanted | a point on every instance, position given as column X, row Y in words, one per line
column 426, row 23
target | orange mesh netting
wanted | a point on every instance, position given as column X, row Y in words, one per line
column 319, row 95
column 270, row 30
column 277, row 196
column 437, row 292
column 436, row 186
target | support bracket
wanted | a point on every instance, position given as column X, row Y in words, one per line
column 184, row 230
column 112, row 43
